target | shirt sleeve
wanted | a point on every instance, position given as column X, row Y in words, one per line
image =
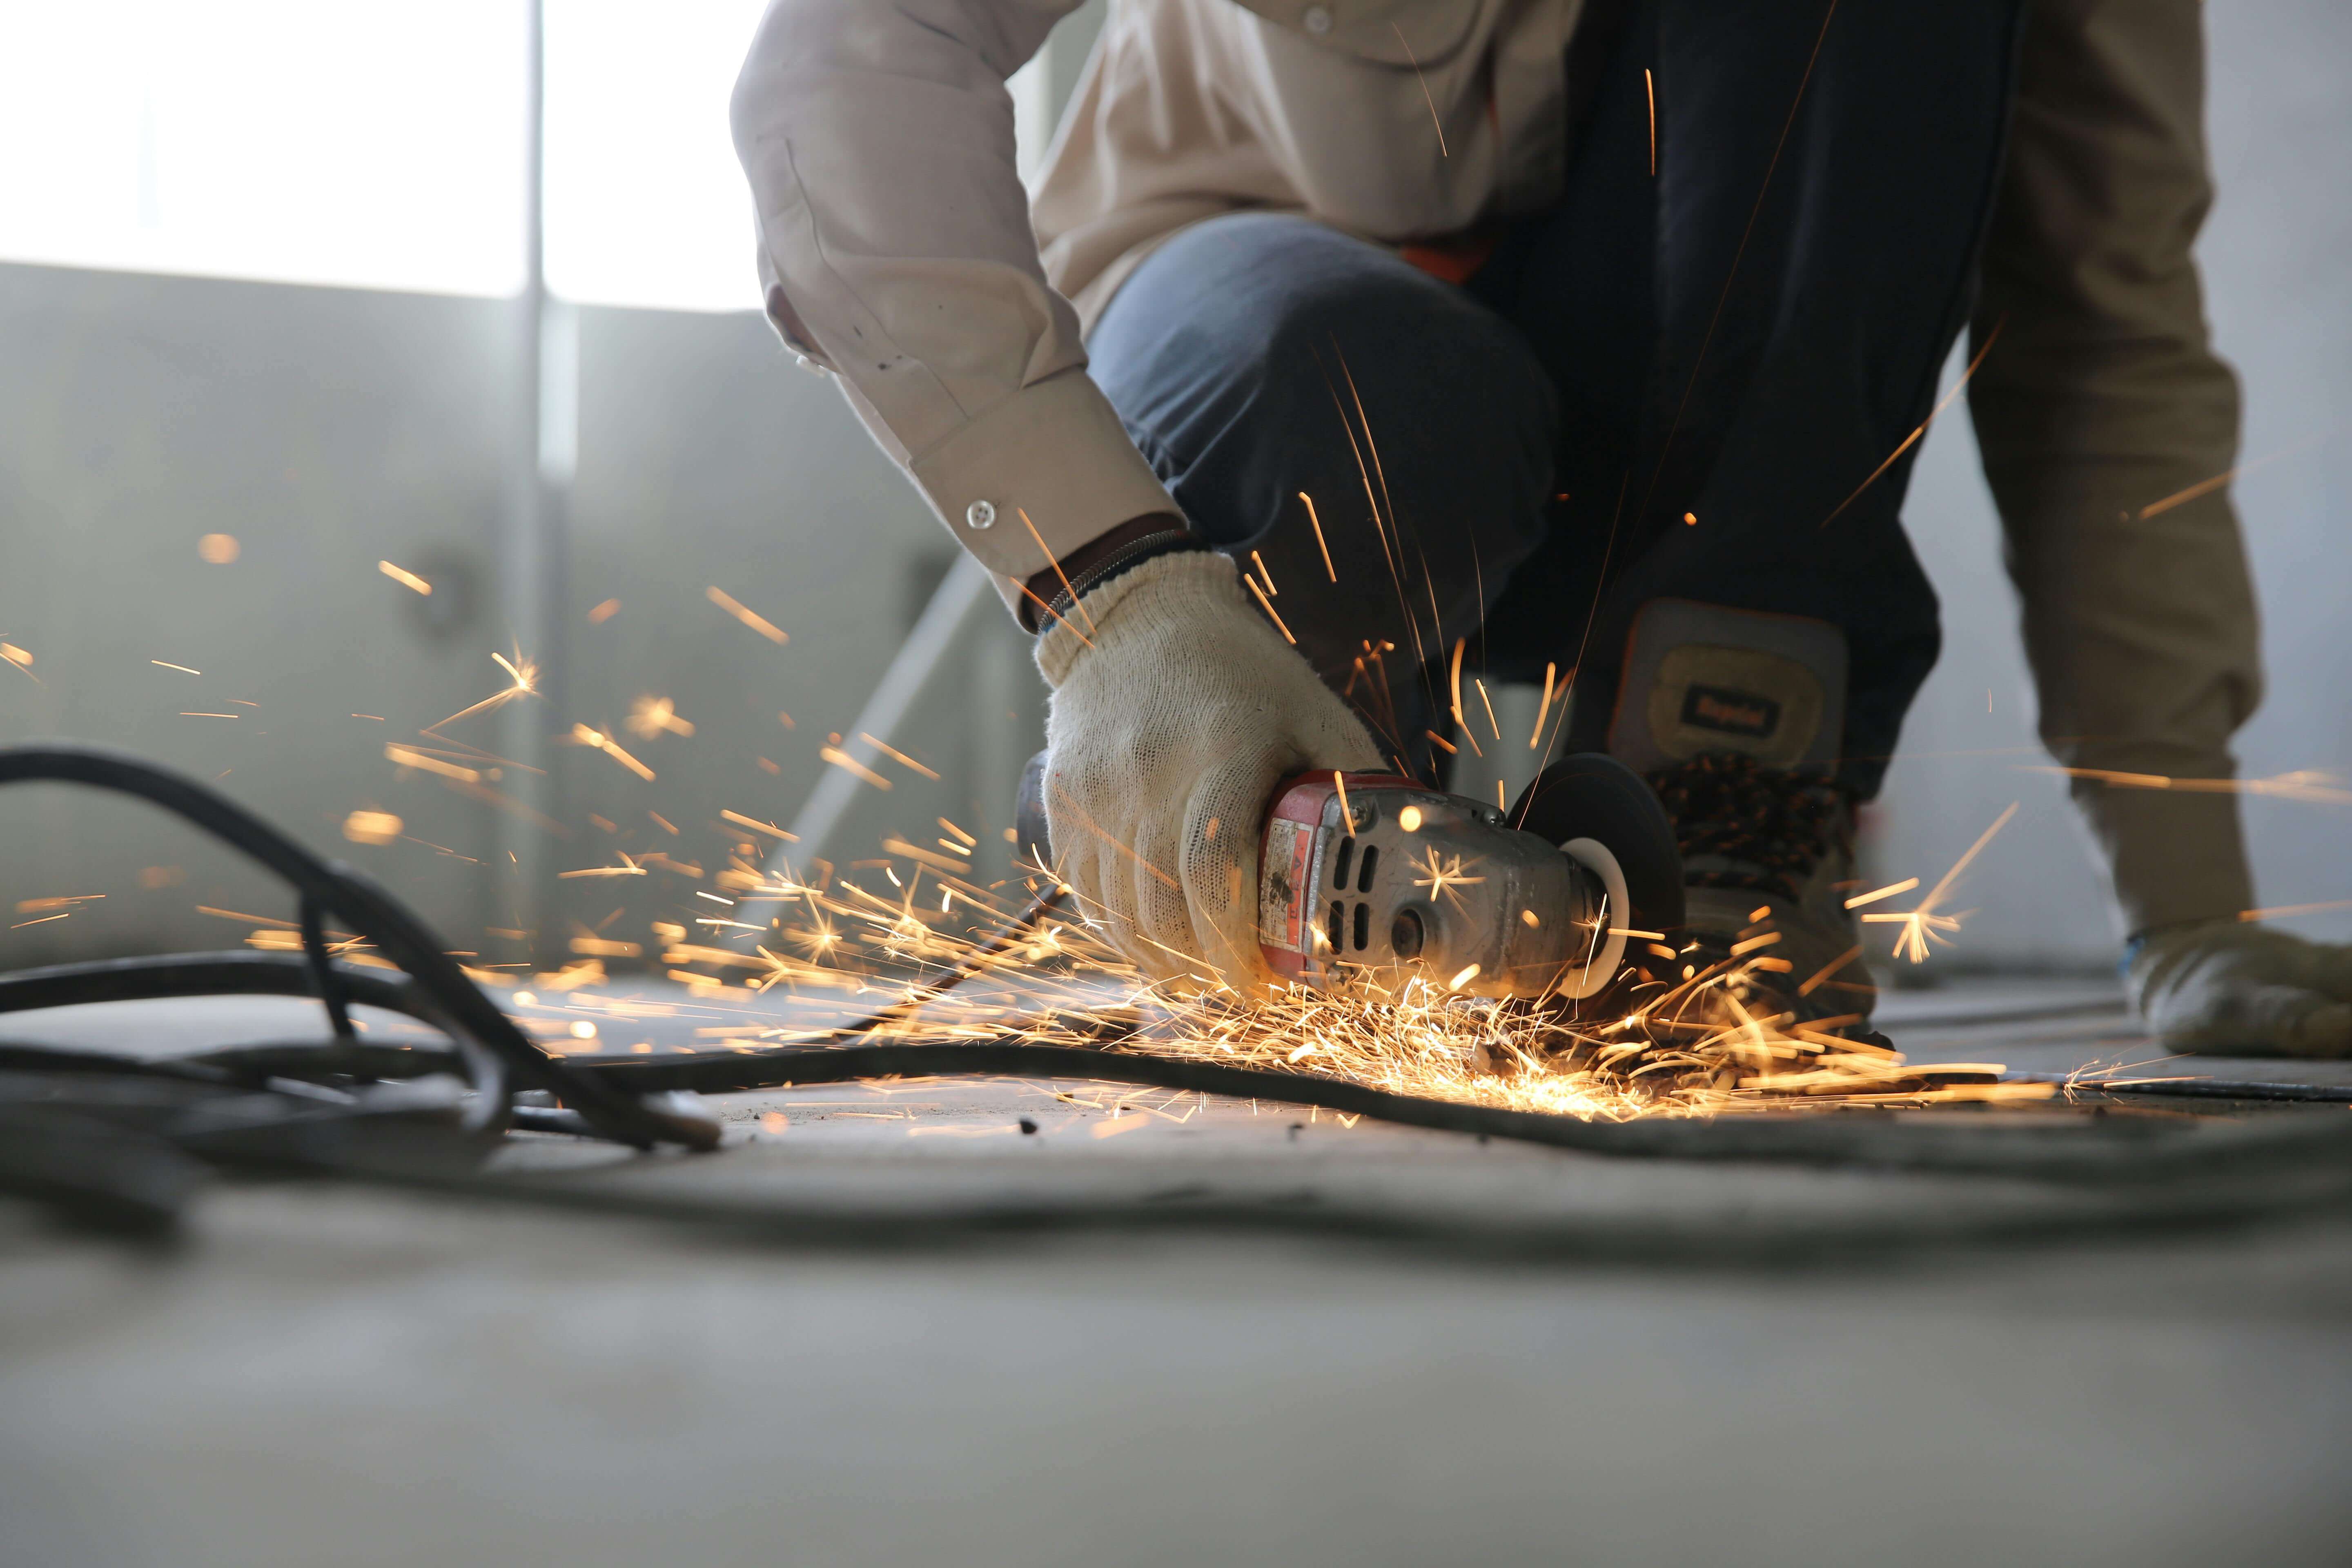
column 2107, row 425
column 896, row 252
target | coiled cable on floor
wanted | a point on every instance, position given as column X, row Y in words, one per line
column 500, row 1057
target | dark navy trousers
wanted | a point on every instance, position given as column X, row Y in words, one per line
column 1676, row 382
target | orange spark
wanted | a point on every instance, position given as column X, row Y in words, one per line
column 597, row 740
column 1650, row 87
column 1912, row 439
column 896, row 755
column 65, row 900
column 843, row 760
column 1461, row 725
column 1442, row 877
column 1317, row 524
column 1267, row 606
column 1062, row 575
column 520, row 671
column 372, row 827
column 405, row 577
column 1425, row 90
column 1489, row 705
column 627, row 868
column 1905, row 886
column 751, row 618
column 2303, row 783
column 2282, row 910
column 652, row 717
column 410, row 757
column 2207, row 487
column 1924, row 923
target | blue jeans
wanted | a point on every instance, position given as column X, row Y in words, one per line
column 1742, row 338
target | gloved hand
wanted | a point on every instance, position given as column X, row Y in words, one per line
column 1176, row 709
column 2227, row 988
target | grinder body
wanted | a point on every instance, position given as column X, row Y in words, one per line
column 1374, row 871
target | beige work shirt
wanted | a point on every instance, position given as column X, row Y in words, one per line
column 900, row 250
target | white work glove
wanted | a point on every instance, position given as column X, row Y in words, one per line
column 1176, row 710
column 2227, row 988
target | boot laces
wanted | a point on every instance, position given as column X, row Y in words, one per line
column 1774, row 824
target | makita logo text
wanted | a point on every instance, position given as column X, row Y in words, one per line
column 1730, row 712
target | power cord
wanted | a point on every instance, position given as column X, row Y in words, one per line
column 500, row 1055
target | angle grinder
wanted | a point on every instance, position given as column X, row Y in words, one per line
column 1369, row 871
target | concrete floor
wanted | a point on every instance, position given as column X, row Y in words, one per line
column 333, row 1375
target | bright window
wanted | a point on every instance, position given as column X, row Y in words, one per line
column 302, row 141
column 382, row 146
column 645, row 203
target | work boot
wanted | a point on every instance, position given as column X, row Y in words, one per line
column 1767, row 865
column 1735, row 717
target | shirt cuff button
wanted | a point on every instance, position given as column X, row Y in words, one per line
column 980, row 514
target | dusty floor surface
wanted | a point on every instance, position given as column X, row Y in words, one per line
column 325, row 1374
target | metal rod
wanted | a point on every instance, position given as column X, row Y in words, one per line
column 531, row 549
column 918, row 661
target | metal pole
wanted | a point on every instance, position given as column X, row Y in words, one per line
column 930, row 650
column 531, row 554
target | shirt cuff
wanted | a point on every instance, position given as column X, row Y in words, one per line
column 1040, row 473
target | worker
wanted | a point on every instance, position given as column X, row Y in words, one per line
column 1343, row 340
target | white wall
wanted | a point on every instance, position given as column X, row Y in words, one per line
column 324, row 429
column 327, row 429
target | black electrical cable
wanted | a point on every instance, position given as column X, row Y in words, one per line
column 501, row 1055
column 235, row 972
column 322, row 968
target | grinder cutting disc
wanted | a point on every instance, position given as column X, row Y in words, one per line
column 1592, row 795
